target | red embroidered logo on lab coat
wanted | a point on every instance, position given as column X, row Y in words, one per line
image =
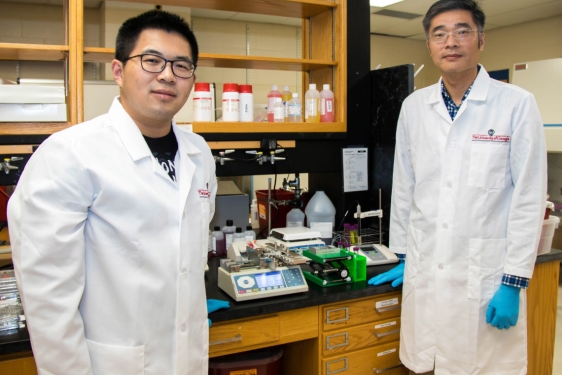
column 490, row 138
column 203, row 193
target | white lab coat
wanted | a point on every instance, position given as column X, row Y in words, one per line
column 466, row 209
column 110, row 253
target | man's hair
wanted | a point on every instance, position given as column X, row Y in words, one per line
column 131, row 29
column 447, row 5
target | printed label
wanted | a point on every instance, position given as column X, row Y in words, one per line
column 385, row 325
column 203, row 193
column 263, row 211
column 387, row 302
column 386, row 352
column 490, row 138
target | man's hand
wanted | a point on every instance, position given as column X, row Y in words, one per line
column 396, row 275
column 503, row 310
column 214, row 305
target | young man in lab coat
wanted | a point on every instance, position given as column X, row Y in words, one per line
column 109, row 222
column 468, row 199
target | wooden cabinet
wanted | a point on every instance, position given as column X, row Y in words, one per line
column 361, row 336
column 323, row 50
column 263, row 331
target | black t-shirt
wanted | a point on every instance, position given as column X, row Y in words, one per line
column 164, row 149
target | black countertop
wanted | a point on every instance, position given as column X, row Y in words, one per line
column 19, row 341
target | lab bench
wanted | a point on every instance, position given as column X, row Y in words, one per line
column 348, row 329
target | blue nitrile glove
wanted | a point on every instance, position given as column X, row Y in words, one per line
column 503, row 310
column 396, row 275
column 214, row 305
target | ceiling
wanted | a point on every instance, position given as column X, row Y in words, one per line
column 499, row 13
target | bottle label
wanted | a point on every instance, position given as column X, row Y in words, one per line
column 291, row 224
column 311, row 108
column 295, row 110
column 214, row 244
column 278, row 113
column 202, row 109
column 329, row 105
column 249, row 238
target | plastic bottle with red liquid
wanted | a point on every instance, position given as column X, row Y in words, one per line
column 274, row 93
column 326, row 104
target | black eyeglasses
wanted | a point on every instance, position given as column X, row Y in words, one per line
column 156, row 64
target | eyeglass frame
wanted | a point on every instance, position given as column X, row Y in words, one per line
column 451, row 33
column 166, row 61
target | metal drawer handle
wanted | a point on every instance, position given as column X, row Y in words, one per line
column 328, row 347
column 377, row 371
column 379, row 335
column 238, row 337
column 328, row 372
column 329, row 321
column 385, row 309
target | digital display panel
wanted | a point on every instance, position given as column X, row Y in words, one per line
column 269, row 279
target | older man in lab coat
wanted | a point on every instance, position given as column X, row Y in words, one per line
column 109, row 222
column 468, row 198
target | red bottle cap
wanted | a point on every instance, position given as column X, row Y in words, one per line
column 202, row 86
column 230, row 87
column 245, row 89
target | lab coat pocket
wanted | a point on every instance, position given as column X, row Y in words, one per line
column 485, row 264
column 488, row 164
column 412, row 255
column 116, row 360
column 205, row 220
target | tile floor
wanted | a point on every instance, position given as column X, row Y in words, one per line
column 557, row 368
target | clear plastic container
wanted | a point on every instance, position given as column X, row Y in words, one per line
column 326, row 104
column 249, row 234
column 238, row 235
column 295, row 218
column 229, row 229
column 321, row 215
column 278, row 111
column 312, row 104
column 295, row 109
column 274, row 93
column 219, row 245
column 286, row 96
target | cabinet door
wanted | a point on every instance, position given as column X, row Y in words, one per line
column 381, row 359
column 362, row 311
column 361, row 336
column 244, row 333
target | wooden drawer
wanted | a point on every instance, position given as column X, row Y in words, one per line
column 361, row 336
column 382, row 359
column 361, row 311
column 243, row 333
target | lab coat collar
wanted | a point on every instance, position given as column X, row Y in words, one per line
column 479, row 88
column 128, row 131
column 132, row 138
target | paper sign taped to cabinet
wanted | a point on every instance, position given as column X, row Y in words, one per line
column 387, row 302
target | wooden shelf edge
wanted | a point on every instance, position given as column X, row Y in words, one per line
column 267, row 127
column 31, row 128
column 35, row 52
column 106, row 55
column 282, row 8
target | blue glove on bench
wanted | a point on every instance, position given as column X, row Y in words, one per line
column 396, row 275
column 214, row 305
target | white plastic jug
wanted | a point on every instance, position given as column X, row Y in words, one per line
column 295, row 218
column 321, row 216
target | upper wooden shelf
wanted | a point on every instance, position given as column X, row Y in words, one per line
column 215, row 60
column 37, row 52
column 283, row 8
